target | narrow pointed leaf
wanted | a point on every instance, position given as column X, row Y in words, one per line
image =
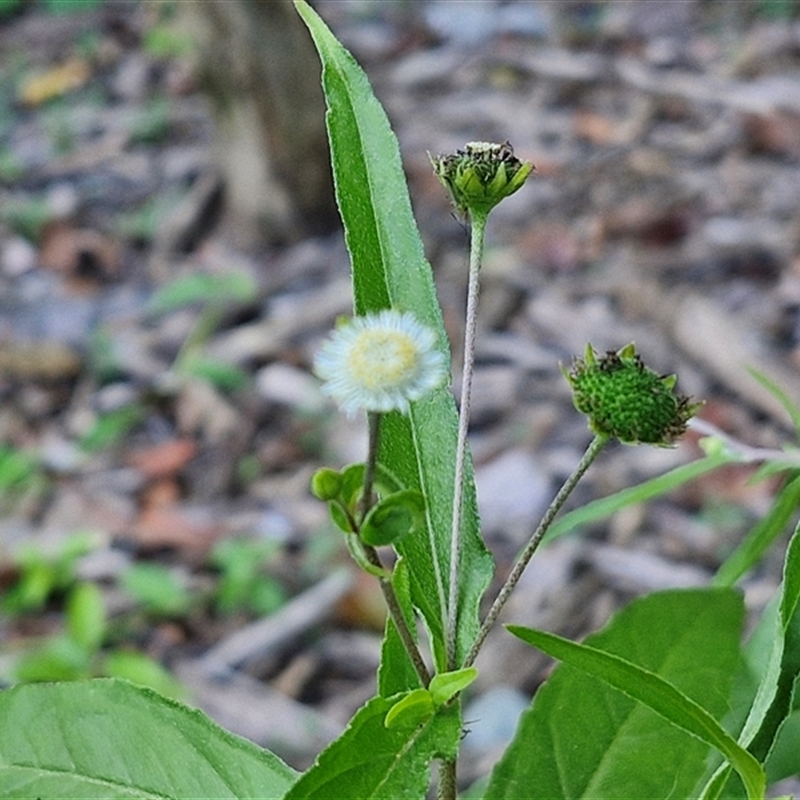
column 390, row 271
column 762, row 535
column 787, row 656
column 647, row 490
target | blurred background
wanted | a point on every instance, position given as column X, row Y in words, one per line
column 170, row 258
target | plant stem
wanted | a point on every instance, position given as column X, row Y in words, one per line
column 571, row 482
column 477, row 231
column 372, row 556
column 374, row 433
column 447, row 781
column 398, row 618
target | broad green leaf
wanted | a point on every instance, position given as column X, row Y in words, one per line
column 583, row 738
column 390, row 271
column 657, row 694
column 647, row 490
column 110, row 739
column 372, row 762
column 763, row 534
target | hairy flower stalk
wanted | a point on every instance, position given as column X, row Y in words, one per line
column 477, row 178
column 522, row 562
column 623, row 400
column 478, row 229
column 371, row 554
column 378, row 363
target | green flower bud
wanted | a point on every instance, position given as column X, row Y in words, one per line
column 326, row 484
column 481, row 175
column 627, row 401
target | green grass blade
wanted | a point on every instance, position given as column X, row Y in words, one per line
column 791, row 408
column 763, row 534
column 655, row 487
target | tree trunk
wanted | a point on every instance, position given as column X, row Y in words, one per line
column 261, row 71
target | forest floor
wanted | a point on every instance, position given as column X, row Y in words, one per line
column 159, row 421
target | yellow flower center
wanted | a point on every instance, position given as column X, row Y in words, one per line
column 383, row 359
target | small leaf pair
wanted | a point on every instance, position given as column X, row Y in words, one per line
column 418, row 705
column 397, row 513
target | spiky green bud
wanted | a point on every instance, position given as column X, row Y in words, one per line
column 481, row 175
column 626, row 400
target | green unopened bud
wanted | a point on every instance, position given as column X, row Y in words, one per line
column 626, row 400
column 326, row 484
column 481, row 175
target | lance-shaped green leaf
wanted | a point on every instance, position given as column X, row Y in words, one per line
column 371, row 761
column 390, row 271
column 110, row 739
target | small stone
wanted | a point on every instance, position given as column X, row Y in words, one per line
column 288, row 385
column 17, row 255
column 512, row 492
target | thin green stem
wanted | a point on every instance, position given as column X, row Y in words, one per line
column 477, row 231
column 398, row 618
column 592, row 451
column 374, row 441
column 373, row 558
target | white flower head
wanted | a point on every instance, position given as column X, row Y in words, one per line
column 380, row 362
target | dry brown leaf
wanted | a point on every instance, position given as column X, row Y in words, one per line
column 164, row 459
column 55, row 82
column 177, row 526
